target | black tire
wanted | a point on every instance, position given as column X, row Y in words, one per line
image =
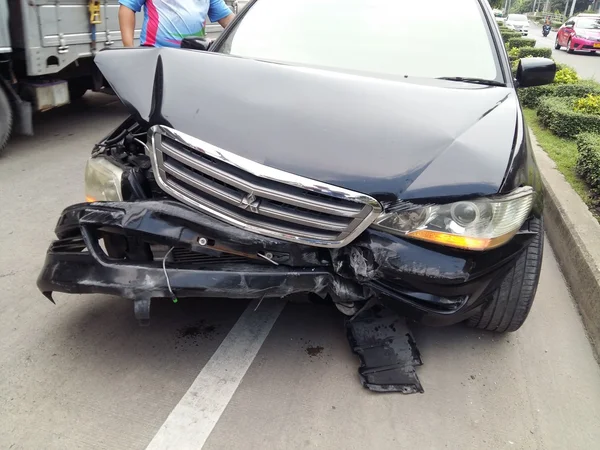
column 6, row 119
column 556, row 44
column 77, row 88
column 511, row 302
column 569, row 49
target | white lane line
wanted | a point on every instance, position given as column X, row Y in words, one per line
column 194, row 417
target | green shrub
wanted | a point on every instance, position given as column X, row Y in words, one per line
column 566, row 75
column 513, row 54
column 588, row 160
column 557, row 115
column 556, row 25
column 508, row 35
column 579, row 89
column 520, row 42
column 590, row 104
column 524, row 52
column 531, row 96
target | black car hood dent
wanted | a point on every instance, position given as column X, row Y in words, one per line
column 410, row 138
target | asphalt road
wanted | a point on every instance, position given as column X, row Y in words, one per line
column 83, row 375
column 587, row 65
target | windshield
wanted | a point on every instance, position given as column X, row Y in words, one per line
column 589, row 24
column 396, row 39
column 517, row 18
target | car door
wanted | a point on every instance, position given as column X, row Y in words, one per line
column 559, row 34
column 567, row 31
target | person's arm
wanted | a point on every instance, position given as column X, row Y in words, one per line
column 218, row 11
column 127, row 11
column 226, row 20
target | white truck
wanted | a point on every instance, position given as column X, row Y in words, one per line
column 46, row 54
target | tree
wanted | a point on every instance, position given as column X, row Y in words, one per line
column 521, row 6
column 496, row 4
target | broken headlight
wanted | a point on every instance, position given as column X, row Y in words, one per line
column 479, row 224
column 102, row 181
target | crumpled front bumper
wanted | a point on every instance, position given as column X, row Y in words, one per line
column 437, row 286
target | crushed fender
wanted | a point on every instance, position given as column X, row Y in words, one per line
column 387, row 351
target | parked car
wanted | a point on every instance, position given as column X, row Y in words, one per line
column 581, row 34
column 518, row 22
column 328, row 165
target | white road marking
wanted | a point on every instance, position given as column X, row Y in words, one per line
column 194, row 417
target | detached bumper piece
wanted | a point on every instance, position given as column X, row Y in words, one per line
column 388, row 353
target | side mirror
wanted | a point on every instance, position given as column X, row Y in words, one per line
column 535, row 72
column 569, row 24
column 196, row 43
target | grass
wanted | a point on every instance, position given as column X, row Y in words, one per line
column 562, row 151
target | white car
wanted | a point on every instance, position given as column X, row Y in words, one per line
column 518, row 22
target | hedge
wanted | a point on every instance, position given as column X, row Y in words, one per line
column 588, row 160
column 530, row 97
column 508, row 35
column 524, row 52
column 579, row 89
column 556, row 114
column 521, row 42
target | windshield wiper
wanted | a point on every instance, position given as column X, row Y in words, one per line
column 473, row 80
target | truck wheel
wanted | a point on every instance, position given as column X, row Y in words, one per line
column 6, row 119
column 77, row 88
column 511, row 302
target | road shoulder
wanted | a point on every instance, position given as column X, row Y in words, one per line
column 574, row 235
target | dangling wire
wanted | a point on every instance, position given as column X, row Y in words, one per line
column 164, row 265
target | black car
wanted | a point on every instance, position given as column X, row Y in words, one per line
column 327, row 147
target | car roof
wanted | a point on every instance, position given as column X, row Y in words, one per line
column 588, row 15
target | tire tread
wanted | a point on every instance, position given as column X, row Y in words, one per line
column 510, row 303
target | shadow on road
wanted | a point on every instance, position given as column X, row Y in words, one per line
column 102, row 331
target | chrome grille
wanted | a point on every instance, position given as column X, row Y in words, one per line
column 255, row 197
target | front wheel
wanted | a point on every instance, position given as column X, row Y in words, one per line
column 6, row 119
column 570, row 47
column 556, row 44
column 510, row 303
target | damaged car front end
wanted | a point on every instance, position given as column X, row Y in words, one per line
column 292, row 184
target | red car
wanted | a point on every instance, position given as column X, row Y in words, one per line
column 581, row 34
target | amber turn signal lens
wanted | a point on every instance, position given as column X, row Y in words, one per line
column 466, row 243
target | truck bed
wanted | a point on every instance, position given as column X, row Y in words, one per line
column 49, row 35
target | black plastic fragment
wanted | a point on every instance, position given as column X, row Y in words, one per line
column 387, row 350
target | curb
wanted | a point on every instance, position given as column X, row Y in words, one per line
column 574, row 234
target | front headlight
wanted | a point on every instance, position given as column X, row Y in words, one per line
column 479, row 224
column 102, row 181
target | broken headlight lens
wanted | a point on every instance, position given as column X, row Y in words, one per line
column 102, row 181
column 479, row 224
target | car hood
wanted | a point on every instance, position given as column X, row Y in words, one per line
column 587, row 32
column 412, row 138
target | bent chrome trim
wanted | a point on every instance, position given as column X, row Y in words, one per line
column 334, row 217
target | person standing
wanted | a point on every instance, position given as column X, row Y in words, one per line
column 167, row 22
